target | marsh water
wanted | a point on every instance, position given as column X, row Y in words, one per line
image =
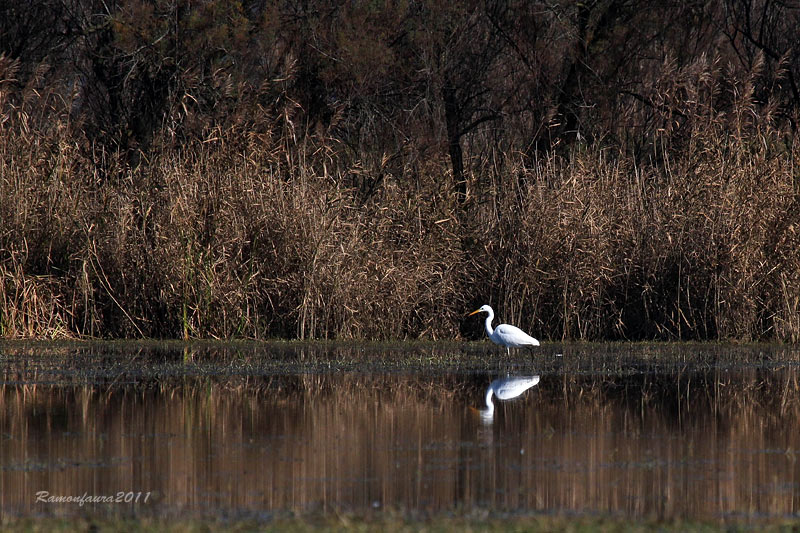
column 252, row 429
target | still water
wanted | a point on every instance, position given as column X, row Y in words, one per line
column 680, row 431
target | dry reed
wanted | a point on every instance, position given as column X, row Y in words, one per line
column 278, row 232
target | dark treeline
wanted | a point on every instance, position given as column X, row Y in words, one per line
column 599, row 170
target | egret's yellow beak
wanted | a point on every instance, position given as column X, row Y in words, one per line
column 476, row 311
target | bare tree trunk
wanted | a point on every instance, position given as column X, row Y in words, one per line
column 452, row 118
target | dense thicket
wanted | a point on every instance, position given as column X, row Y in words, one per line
column 601, row 169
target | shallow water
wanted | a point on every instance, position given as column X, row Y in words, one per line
column 677, row 431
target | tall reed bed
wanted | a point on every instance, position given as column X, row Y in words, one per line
column 217, row 242
column 290, row 235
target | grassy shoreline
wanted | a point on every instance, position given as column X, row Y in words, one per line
column 393, row 522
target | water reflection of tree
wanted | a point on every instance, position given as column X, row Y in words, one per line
column 673, row 444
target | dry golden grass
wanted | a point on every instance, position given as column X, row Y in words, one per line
column 278, row 232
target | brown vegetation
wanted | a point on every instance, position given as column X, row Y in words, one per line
column 225, row 177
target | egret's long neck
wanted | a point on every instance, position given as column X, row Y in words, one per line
column 489, row 404
column 489, row 328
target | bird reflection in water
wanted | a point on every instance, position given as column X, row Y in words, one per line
column 505, row 389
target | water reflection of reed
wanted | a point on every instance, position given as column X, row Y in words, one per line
column 685, row 445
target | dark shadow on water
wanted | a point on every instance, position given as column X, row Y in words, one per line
column 678, row 431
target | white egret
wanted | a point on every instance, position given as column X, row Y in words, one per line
column 505, row 334
column 506, row 389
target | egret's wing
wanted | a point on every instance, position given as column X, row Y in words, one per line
column 512, row 336
column 511, row 387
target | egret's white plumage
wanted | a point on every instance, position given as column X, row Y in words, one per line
column 505, row 334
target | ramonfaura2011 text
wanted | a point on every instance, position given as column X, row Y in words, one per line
column 44, row 496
